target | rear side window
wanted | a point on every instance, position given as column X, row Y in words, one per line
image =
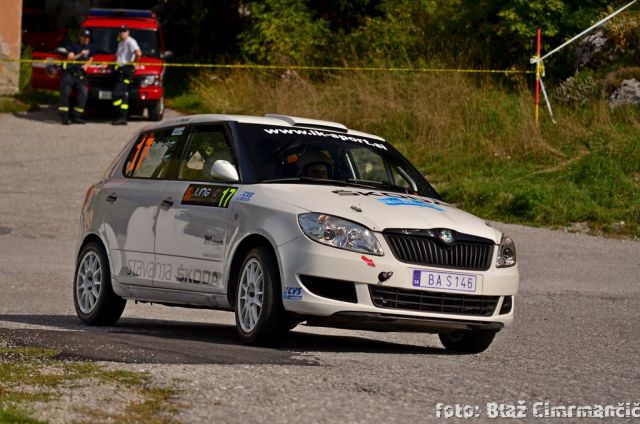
column 206, row 145
column 154, row 155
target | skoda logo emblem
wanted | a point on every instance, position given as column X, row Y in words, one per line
column 446, row 236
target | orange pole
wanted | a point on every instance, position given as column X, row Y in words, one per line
column 538, row 72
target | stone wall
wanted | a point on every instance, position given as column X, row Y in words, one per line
column 10, row 30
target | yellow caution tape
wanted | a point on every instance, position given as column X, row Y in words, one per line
column 283, row 67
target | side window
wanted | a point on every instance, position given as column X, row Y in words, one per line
column 402, row 179
column 154, row 154
column 370, row 166
column 206, row 145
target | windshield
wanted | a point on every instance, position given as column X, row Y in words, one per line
column 282, row 154
column 106, row 40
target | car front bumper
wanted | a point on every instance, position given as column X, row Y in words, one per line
column 398, row 306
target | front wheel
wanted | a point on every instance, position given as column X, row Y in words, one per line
column 260, row 315
column 156, row 110
column 468, row 341
column 93, row 296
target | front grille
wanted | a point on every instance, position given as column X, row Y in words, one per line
column 107, row 83
column 468, row 252
column 101, row 82
column 428, row 301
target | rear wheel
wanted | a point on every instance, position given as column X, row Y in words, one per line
column 93, row 296
column 468, row 341
column 156, row 110
column 260, row 316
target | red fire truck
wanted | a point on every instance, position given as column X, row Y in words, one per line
column 146, row 89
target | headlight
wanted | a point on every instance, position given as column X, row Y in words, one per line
column 150, row 80
column 340, row 233
column 506, row 253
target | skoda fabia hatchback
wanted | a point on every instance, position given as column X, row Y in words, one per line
column 285, row 220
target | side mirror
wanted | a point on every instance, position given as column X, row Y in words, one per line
column 61, row 50
column 223, row 170
column 167, row 54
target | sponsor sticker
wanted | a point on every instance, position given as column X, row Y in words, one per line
column 245, row 196
column 396, row 201
column 328, row 135
column 178, row 131
column 208, row 195
column 292, row 293
column 368, row 261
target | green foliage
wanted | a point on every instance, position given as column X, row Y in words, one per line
column 25, row 70
column 395, row 37
column 284, row 32
column 478, row 33
column 11, row 105
column 16, row 416
column 577, row 90
column 521, row 18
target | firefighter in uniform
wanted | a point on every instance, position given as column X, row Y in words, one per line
column 127, row 53
column 74, row 78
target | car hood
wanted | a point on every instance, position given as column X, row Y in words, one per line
column 379, row 209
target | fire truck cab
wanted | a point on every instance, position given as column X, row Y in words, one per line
column 146, row 90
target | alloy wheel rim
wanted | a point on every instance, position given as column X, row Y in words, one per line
column 88, row 282
column 250, row 295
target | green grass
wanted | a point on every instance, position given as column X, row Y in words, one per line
column 17, row 416
column 12, row 105
column 28, row 100
column 31, row 375
column 474, row 139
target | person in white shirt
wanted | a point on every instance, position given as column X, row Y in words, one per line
column 127, row 53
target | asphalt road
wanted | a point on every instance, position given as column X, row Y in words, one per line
column 576, row 339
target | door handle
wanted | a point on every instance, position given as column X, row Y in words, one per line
column 167, row 201
column 112, row 198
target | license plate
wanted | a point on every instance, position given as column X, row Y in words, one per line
column 445, row 281
column 104, row 95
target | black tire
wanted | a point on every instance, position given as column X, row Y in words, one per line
column 107, row 307
column 272, row 323
column 156, row 110
column 467, row 341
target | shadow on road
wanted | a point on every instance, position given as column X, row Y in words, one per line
column 138, row 340
column 49, row 115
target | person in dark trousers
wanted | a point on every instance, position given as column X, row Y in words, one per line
column 74, row 78
column 127, row 53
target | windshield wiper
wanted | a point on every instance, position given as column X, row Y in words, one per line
column 349, row 182
column 303, row 180
column 381, row 184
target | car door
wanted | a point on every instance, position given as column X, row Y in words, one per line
column 192, row 233
column 132, row 202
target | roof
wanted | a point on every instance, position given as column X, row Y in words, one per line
column 273, row 120
column 134, row 23
column 137, row 19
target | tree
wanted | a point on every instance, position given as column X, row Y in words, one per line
column 284, row 32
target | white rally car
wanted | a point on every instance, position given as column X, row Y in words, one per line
column 287, row 220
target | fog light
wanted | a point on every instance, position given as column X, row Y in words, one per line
column 507, row 305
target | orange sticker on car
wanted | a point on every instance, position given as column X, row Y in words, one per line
column 147, row 147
